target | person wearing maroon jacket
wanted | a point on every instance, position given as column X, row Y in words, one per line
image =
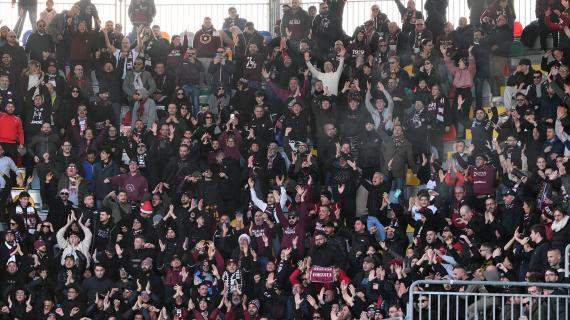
column 294, row 224
column 11, row 131
column 132, row 182
column 206, row 42
column 482, row 176
column 261, row 231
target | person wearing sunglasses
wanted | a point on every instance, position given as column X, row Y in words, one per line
column 138, row 78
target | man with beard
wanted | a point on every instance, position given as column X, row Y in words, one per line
column 324, row 254
column 118, row 204
column 325, row 29
column 39, row 41
column 180, row 166
column 295, row 24
column 491, row 230
column 250, row 66
column 102, row 225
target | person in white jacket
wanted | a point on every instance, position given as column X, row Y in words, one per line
column 382, row 109
column 330, row 77
column 73, row 244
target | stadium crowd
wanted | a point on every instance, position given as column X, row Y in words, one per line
column 258, row 178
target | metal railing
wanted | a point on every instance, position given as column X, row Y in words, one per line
column 498, row 300
column 567, row 261
column 176, row 17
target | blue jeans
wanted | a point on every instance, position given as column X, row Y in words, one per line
column 193, row 94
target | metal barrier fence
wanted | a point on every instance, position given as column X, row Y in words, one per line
column 498, row 300
column 567, row 261
column 176, row 17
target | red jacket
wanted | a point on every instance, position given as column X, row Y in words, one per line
column 11, row 130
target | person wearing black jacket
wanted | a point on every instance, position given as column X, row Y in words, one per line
column 243, row 101
column 109, row 79
column 436, row 11
column 480, row 52
column 35, row 116
column 325, row 29
column 499, row 40
column 39, row 41
column 262, row 126
column 155, row 49
column 376, row 201
column 417, row 128
column 250, row 65
column 165, row 84
column 541, row 246
column 188, row 75
column 323, row 253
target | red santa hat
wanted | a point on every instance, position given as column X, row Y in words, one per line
column 146, row 207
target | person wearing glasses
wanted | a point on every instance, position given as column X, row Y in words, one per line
column 72, row 185
column 15, row 50
column 138, row 78
column 379, row 20
column 419, row 34
column 519, row 80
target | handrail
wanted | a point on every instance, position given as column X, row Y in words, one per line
column 412, row 290
column 489, row 283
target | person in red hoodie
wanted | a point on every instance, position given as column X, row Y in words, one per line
column 11, row 131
